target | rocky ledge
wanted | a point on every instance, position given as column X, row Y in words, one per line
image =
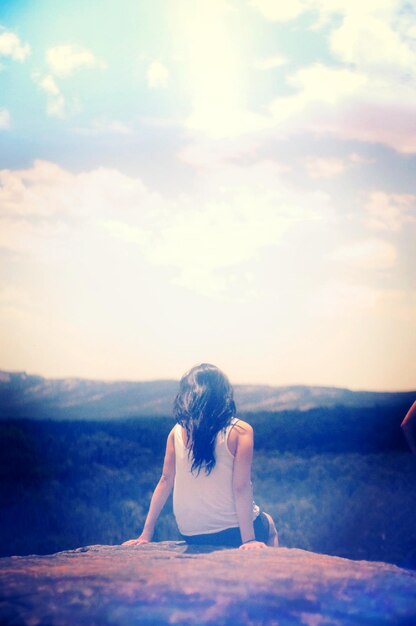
column 170, row 583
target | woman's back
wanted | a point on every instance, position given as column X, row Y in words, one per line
column 204, row 503
column 208, row 465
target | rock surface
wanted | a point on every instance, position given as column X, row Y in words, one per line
column 171, row 583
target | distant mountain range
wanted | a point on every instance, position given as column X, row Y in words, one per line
column 27, row 396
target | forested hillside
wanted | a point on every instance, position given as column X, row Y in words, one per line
column 24, row 395
column 338, row 481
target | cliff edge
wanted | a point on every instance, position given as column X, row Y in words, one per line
column 171, row 583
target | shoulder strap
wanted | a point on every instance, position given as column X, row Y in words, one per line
column 226, row 431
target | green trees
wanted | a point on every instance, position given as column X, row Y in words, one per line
column 344, row 485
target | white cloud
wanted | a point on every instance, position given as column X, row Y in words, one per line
column 391, row 124
column 201, row 243
column 323, row 95
column 103, row 126
column 157, row 75
column 350, row 105
column 317, row 83
column 47, row 190
column 102, row 258
column 370, row 35
column 55, row 99
column 368, row 254
column 36, row 192
column 11, row 46
column 359, row 159
column 330, row 167
column 23, row 235
column 211, row 154
column 15, row 303
column 320, row 91
column 321, row 83
column 325, row 168
column 366, row 306
column 217, row 123
column 279, row 11
column 64, row 60
column 270, row 63
column 336, row 299
column 389, row 211
column 200, row 240
column 4, row 119
column 375, row 41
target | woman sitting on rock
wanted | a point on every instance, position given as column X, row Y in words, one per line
column 208, row 465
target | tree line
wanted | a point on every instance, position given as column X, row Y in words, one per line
column 338, row 481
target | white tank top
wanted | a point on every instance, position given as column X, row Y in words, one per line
column 205, row 504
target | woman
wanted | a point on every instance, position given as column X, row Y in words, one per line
column 208, row 465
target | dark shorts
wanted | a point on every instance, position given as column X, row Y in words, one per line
column 231, row 537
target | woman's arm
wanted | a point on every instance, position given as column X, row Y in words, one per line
column 160, row 494
column 242, row 488
column 409, row 427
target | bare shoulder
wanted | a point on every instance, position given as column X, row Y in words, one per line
column 241, row 431
column 243, row 428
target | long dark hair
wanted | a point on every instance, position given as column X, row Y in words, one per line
column 204, row 406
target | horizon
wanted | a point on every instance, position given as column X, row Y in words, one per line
column 176, row 380
column 236, row 180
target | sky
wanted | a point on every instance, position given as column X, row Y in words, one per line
column 223, row 181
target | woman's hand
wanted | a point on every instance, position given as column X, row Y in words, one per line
column 136, row 542
column 252, row 545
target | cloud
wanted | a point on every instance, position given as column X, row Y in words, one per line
column 337, row 299
column 103, row 126
column 373, row 38
column 388, row 211
column 278, row 11
column 11, row 46
column 375, row 42
column 202, row 241
column 15, row 303
column 207, row 153
column 376, row 35
column 23, row 236
column 318, row 167
column 157, row 75
column 55, row 99
column 349, row 105
column 325, row 168
column 368, row 254
column 64, row 60
column 49, row 191
column 218, row 124
column 359, row 159
column 39, row 191
column 370, row 36
column 391, row 124
column 270, row 63
column 4, row 119
column 315, row 84
column 321, row 83
column 365, row 91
